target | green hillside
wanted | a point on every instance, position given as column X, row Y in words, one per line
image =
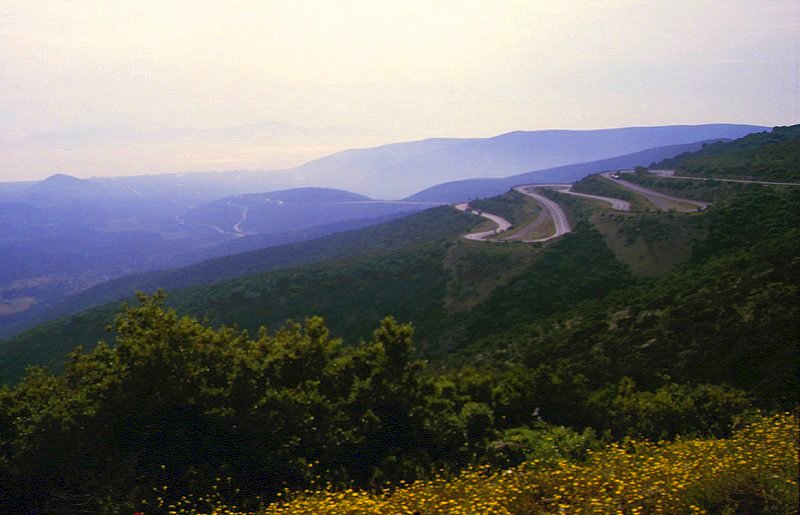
column 773, row 155
column 416, row 268
column 728, row 316
column 432, row 225
column 413, row 284
column 536, row 353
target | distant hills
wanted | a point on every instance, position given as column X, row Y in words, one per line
column 63, row 235
column 300, row 208
column 400, row 170
column 530, row 352
column 130, row 150
column 467, row 189
column 432, row 225
column 468, row 299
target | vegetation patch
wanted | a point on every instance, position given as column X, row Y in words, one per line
column 477, row 269
column 773, row 155
column 651, row 244
column 17, row 305
column 754, row 471
column 515, row 207
column 598, row 185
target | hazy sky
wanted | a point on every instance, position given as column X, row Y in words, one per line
column 404, row 69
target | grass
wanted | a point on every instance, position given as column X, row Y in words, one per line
column 754, row 471
column 651, row 244
column 540, row 227
column 598, row 185
column 529, row 221
column 516, row 208
column 475, row 269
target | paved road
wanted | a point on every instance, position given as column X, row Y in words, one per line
column 670, row 174
column 403, row 202
column 555, row 211
column 238, row 227
column 661, row 201
column 502, row 224
column 618, row 204
column 551, row 210
column 562, row 227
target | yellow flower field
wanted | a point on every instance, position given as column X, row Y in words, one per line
column 754, row 471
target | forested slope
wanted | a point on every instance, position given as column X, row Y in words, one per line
column 431, row 225
column 772, row 155
column 569, row 352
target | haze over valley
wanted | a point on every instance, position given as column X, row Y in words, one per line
column 65, row 234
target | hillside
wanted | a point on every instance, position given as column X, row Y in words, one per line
column 67, row 234
column 392, row 264
column 458, row 191
column 523, row 151
column 648, row 244
column 537, row 352
column 288, row 210
column 434, row 225
column 396, row 170
column 63, row 235
column 262, row 241
column 488, row 289
column 771, row 155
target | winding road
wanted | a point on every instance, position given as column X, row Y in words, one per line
column 660, row 200
column 557, row 214
column 560, row 221
column 238, row 227
column 670, row 174
column 551, row 210
column 618, row 204
column 502, row 223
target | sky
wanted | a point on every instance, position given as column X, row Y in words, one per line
column 163, row 77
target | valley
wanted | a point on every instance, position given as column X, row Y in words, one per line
column 144, row 224
column 383, row 258
column 556, row 215
column 606, row 306
column 532, row 218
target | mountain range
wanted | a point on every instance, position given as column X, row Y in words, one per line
column 647, row 320
column 467, row 287
column 398, row 170
column 63, row 235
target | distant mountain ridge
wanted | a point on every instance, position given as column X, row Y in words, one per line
column 371, row 173
column 467, row 189
column 64, row 234
column 245, row 222
column 298, row 208
column 397, row 170
column 308, row 195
